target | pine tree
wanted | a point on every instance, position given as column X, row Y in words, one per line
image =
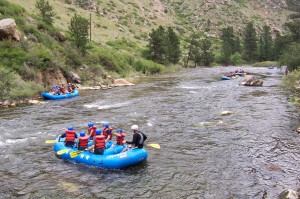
column 294, row 5
column 279, row 45
column 228, row 44
column 46, row 11
column 268, row 43
column 261, row 52
column 206, row 53
column 79, row 31
column 173, row 47
column 250, row 43
column 237, row 45
column 193, row 50
column 294, row 28
column 157, row 46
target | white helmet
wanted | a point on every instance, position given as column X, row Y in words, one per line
column 134, row 127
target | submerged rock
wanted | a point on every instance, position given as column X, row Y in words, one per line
column 224, row 113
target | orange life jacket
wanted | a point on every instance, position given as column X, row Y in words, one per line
column 99, row 142
column 83, row 142
column 105, row 133
column 120, row 138
column 70, row 136
column 92, row 131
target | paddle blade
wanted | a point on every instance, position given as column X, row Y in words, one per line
column 75, row 154
column 154, row 146
column 50, row 141
column 62, row 151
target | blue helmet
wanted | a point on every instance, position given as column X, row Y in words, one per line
column 98, row 132
column 82, row 134
column 119, row 131
column 90, row 124
column 106, row 125
column 70, row 128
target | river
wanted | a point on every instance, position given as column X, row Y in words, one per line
column 245, row 155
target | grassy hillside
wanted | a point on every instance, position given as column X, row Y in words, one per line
column 112, row 19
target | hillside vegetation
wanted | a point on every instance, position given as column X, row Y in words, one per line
column 120, row 32
column 113, row 19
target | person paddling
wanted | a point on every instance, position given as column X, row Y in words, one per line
column 91, row 130
column 98, row 143
column 70, row 136
column 138, row 138
column 107, row 132
column 83, row 141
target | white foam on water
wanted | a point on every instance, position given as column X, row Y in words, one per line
column 149, row 123
column 108, row 106
column 10, row 141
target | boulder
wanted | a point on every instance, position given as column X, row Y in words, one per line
column 250, row 80
column 8, row 30
column 122, row 82
column 288, row 194
column 61, row 36
column 75, row 77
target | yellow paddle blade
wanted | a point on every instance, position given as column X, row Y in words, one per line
column 62, row 151
column 50, row 141
column 75, row 154
column 154, row 146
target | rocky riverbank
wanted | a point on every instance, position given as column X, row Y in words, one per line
column 40, row 100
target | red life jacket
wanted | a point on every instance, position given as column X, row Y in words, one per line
column 105, row 133
column 70, row 136
column 120, row 138
column 92, row 131
column 99, row 142
column 83, row 142
column 70, row 89
column 62, row 90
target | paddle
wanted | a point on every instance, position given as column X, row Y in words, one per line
column 75, row 153
column 156, row 146
column 50, row 141
column 62, row 151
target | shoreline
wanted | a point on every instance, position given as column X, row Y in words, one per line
column 40, row 100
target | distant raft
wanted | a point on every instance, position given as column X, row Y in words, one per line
column 112, row 158
column 226, row 78
column 49, row 96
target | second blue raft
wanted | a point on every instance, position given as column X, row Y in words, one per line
column 49, row 96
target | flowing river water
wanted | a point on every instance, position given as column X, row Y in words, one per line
column 248, row 154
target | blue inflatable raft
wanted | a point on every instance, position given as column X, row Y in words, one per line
column 50, row 96
column 226, row 78
column 112, row 158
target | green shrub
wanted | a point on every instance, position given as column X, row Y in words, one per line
column 6, row 83
column 236, row 59
column 291, row 82
column 265, row 64
column 148, row 67
column 40, row 56
column 73, row 56
column 11, row 54
column 291, row 57
column 24, row 89
column 10, row 10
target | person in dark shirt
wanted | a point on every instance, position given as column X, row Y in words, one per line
column 138, row 138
